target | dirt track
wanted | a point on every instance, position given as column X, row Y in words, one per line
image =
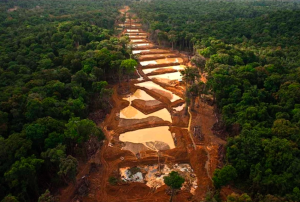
column 203, row 158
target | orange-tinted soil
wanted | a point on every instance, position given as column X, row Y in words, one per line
column 203, row 158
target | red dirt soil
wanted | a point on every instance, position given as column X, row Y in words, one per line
column 203, row 159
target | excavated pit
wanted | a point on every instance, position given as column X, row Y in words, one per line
column 162, row 70
column 149, row 131
column 132, row 30
column 136, row 34
column 150, row 51
column 137, row 37
column 148, row 107
column 157, row 56
column 132, row 113
column 168, row 76
column 153, row 175
column 160, row 90
column 136, row 45
column 162, row 61
column 139, row 94
column 150, row 137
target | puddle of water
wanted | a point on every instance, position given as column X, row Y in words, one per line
column 162, row 61
column 157, row 88
column 139, row 51
column 146, row 135
column 179, row 108
column 155, row 55
column 169, row 60
column 177, row 67
column 137, row 36
column 139, row 94
column 133, row 25
column 169, row 76
column 132, row 30
column 145, row 63
column 132, row 113
column 141, row 44
column 137, row 40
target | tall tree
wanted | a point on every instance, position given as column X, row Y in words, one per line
column 174, row 181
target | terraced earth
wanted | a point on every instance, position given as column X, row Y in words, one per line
column 149, row 133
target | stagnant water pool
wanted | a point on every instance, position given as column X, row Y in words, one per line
column 170, row 76
column 160, row 90
column 139, row 51
column 156, row 55
column 141, row 44
column 136, row 40
column 162, row 61
column 146, row 135
column 132, row 30
column 139, row 94
column 150, row 70
column 132, row 113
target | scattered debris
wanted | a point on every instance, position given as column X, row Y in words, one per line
column 98, row 115
column 154, row 177
column 92, row 146
column 219, row 130
column 198, row 134
column 82, row 187
column 221, row 156
column 131, row 174
column 94, row 167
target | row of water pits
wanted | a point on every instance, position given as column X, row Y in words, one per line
column 157, row 138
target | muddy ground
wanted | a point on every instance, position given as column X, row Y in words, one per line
column 201, row 153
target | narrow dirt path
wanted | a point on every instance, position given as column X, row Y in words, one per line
column 207, row 163
column 189, row 127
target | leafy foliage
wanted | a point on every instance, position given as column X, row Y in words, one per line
column 57, row 58
column 224, row 176
column 251, row 51
column 174, row 180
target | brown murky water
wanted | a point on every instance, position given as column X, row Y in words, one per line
column 136, row 34
column 150, row 70
column 137, row 40
column 132, row 30
column 128, row 24
column 139, row 94
column 170, row 76
column 146, row 135
column 132, row 113
column 156, row 55
column 151, row 62
column 142, row 44
column 139, row 51
column 169, row 60
column 157, row 88
column 162, row 61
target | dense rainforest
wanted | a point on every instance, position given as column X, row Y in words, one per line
column 252, row 62
column 56, row 63
column 59, row 57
